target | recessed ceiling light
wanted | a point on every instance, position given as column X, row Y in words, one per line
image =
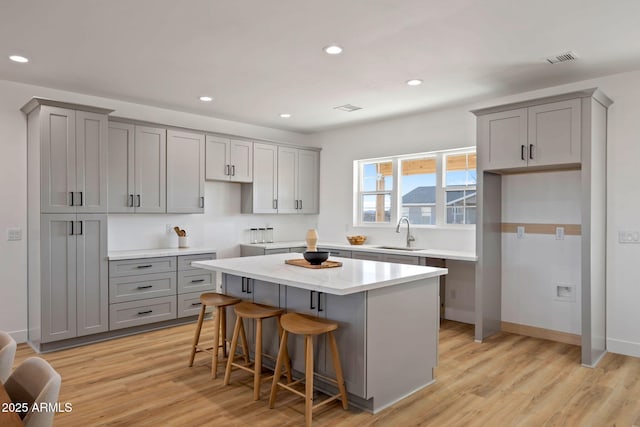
column 285, row 115
column 18, row 58
column 206, row 99
column 414, row 82
column 333, row 50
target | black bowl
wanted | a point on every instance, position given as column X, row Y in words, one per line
column 316, row 258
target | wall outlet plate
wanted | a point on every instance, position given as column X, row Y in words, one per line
column 628, row 236
column 559, row 233
column 520, row 231
column 14, row 234
column 564, row 292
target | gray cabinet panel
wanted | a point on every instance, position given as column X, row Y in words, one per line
column 260, row 197
column 196, row 280
column 185, row 172
column 58, row 160
column 138, row 287
column 135, row 313
column 304, row 302
column 287, row 179
column 58, row 275
column 266, row 293
column 371, row 256
column 150, row 169
column 121, row 168
column 130, row 267
column 338, row 253
column 241, row 160
column 276, row 251
column 91, row 162
column 308, row 181
column 184, row 261
column 92, row 301
column 503, row 139
column 401, row 259
column 554, row 133
column 189, row 304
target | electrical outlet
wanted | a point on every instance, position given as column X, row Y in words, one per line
column 520, row 231
column 565, row 292
column 628, row 236
column 169, row 228
column 14, row 234
column 559, row 233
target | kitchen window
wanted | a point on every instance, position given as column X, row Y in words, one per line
column 431, row 189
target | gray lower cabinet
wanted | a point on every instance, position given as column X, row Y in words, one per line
column 402, row 259
column 371, row 256
column 136, row 313
column 73, row 287
column 192, row 282
column 337, row 252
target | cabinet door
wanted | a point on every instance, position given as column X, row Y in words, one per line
column 217, row 153
column 121, row 168
column 185, row 172
column 287, row 179
column 554, row 133
column 92, row 295
column 304, row 302
column 58, row 160
column 91, row 162
column 150, row 170
column 308, row 180
column 266, row 293
column 502, row 139
column 349, row 311
column 58, row 277
column 265, row 178
column 241, row 161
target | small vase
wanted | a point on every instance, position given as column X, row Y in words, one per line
column 312, row 240
column 183, row 242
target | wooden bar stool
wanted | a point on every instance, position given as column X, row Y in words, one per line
column 249, row 310
column 308, row 326
column 219, row 302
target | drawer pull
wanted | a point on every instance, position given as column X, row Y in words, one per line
column 145, row 312
column 145, row 287
column 197, row 281
column 195, row 304
column 145, row 266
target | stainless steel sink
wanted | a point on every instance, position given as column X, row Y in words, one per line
column 399, row 248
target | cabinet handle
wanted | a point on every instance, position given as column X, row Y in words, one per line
column 145, row 266
column 319, row 300
column 202, row 202
column 81, row 198
column 71, row 192
column 138, row 205
column 244, row 288
column 296, row 205
column 311, row 306
column 226, row 169
column 197, row 281
column 522, row 148
column 195, row 304
column 249, row 291
column 81, row 228
column 130, row 200
column 233, row 170
column 72, row 233
column 531, row 151
column 145, row 312
column 275, row 203
column 300, row 204
column 145, row 287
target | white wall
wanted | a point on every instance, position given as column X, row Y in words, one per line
column 456, row 128
column 221, row 227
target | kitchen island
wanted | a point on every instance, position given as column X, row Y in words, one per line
column 388, row 316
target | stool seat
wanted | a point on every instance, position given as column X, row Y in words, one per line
column 301, row 324
column 252, row 310
column 218, row 300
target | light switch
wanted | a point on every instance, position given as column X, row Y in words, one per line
column 520, row 231
column 14, row 234
column 559, row 233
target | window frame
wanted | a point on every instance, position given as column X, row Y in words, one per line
column 396, row 196
column 467, row 187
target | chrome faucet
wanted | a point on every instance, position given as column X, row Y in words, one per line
column 410, row 238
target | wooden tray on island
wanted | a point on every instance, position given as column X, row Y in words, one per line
column 306, row 264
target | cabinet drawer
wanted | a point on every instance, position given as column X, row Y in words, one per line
column 196, row 280
column 336, row 252
column 131, row 288
column 135, row 313
column 370, row 256
column 184, row 261
column 131, row 267
column 276, row 251
column 401, row 259
column 189, row 304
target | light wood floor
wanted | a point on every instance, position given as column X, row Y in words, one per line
column 508, row 380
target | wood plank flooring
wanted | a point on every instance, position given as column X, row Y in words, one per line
column 510, row 380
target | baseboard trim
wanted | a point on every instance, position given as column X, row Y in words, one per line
column 547, row 334
column 19, row 336
column 627, row 348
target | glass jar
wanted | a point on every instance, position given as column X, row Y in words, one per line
column 261, row 234
column 269, row 236
column 253, row 235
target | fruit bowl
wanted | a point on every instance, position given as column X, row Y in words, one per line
column 316, row 258
column 357, row 239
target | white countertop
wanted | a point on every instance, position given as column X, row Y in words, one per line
column 431, row 253
column 354, row 276
column 152, row 253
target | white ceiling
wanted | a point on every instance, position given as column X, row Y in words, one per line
column 260, row 58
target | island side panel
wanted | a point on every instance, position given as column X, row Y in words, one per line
column 402, row 340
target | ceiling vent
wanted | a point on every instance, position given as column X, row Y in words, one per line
column 348, row 108
column 563, row 57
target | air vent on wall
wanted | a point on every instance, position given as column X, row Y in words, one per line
column 348, row 108
column 563, row 57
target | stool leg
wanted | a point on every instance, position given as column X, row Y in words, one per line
column 216, row 343
column 196, row 339
column 257, row 367
column 276, row 374
column 223, row 326
column 308, row 392
column 245, row 346
column 338, row 368
column 286, row 360
column 232, row 350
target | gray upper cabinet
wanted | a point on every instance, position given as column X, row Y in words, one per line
column 229, row 159
column 185, row 172
column 308, row 181
column 74, row 287
column 298, row 178
column 287, row 180
column 73, row 161
column 545, row 135
column 137, row 168
column 261, row 195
